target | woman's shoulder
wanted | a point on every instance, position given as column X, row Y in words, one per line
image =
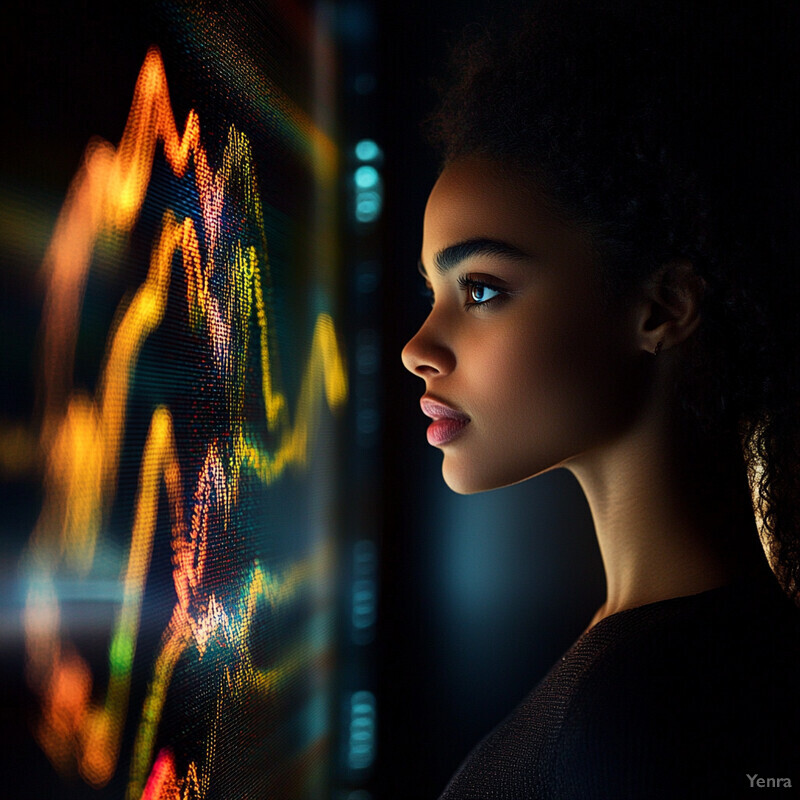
column 689, row 695
column 744, row 630
column 683, row 697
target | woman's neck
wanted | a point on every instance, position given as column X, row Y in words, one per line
column 672, row 513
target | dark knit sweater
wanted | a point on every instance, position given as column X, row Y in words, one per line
column 680, row 698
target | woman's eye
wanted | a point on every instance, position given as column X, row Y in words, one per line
column 478, row 293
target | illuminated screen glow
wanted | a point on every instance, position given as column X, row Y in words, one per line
column 176, row 590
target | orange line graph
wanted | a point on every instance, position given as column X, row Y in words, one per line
column 82, row 435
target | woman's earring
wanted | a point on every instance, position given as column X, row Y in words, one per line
column 658, row 348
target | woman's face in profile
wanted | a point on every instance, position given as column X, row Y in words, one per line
column 525, row 366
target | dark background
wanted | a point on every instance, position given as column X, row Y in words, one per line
column 479, row 594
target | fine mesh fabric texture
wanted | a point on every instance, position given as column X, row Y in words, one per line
column 680, row 698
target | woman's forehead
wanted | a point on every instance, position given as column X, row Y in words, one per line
column 475, row 198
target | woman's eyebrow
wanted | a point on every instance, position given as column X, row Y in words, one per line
column 452, row 256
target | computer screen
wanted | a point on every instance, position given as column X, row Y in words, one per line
column 174, row 383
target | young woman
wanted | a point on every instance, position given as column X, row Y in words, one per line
column 611, row 248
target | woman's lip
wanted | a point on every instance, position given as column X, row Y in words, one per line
column 442, row 431
column 447, row 422
column 436, row 409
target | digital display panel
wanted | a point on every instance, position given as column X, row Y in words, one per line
column 173, row 373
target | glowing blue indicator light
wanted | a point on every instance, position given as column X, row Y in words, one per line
column 366, row 177
column 368, row 206
column 361, row 749
column 367, row 150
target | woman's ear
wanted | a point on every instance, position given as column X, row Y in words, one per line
column 670, row 310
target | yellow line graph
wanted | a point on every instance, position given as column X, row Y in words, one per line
column 82, row 435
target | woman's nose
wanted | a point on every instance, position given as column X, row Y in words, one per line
column 426, row 354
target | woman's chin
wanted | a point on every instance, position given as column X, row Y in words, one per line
column 459, row 479
column 470, row 478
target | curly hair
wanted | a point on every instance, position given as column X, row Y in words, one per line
column 669, row 130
